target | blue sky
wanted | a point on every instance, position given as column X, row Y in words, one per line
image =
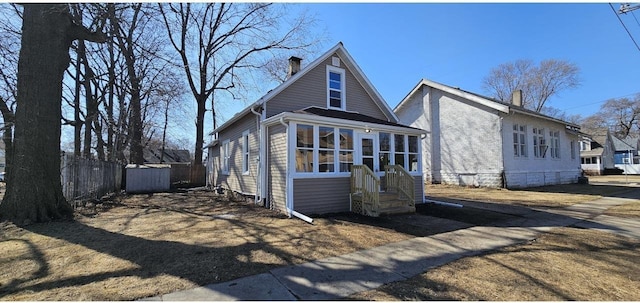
column 396, row 45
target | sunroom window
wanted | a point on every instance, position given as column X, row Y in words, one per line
column 304, row 148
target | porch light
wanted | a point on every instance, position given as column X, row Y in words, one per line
column 367, row 129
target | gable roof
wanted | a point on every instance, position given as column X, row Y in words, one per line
column 621, row 145
column 347, row 60
column 479, row 99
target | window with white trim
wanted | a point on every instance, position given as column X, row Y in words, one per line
column 245, row 152
column 573, row 149
column 304, row 148
column 555, row 144
column 326, row 149
column 519, row 140
column 399, row 151
column 412, row 153
column 346, row 150
column 224, row 156
column 539, row 143
column 336, row 88
column 384, row 140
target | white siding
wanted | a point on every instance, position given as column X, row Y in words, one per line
column 531, row 171
column 464, row 142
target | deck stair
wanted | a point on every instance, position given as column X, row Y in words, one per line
column 367, row 199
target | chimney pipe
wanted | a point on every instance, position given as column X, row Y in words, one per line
column 294, row 66
column 516, row 97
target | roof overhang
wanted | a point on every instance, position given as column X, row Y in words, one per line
column 456, row 92
column 306, row 118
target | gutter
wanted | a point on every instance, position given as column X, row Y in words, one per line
column 257, row 196
column 289, row 202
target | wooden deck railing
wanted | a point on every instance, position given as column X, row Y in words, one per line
column 365, row 191
column 400, row 181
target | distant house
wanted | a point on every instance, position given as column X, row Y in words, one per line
column 596, row 153
column 323, row 141
column 626, row 154
column 475, row 140
column 170, row 156
column 178, row 159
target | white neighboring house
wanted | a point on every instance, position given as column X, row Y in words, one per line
column 596, row 153
column 474, row 140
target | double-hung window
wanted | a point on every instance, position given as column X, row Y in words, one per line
column 326, row 147
column 346, row 149
column 336, row 88
column 245, row 152
column 385, row 149
column 413, row 153
column 304, row 148
column 555, row 144
column 539, row 143
column 224, row 156
column 519, row 140
column 399, row 149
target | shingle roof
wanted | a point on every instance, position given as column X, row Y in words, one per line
column 338, row 114
column 621, row 145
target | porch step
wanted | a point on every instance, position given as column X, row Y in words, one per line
column 397, row 210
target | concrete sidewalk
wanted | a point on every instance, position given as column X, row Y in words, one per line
column 338, row 277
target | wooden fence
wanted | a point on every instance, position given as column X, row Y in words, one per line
column 85, row 179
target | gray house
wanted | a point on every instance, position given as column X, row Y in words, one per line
column 323, row 141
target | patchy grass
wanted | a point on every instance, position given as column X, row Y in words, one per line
column 615, row 179
column 629, row 210
column 547, row 196
column 564, row 264
column 146, row 245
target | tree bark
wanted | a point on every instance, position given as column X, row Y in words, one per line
column 34, row 193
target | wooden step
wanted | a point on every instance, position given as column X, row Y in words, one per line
column 397, row 210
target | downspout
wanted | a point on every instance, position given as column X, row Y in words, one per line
column 257, row 196
column 502, row 135
column 289, row 203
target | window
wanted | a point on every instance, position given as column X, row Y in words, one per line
column 304, row 148
column 413, row 153
column 555, row 144
column 335, row 88
column 573, row 149
column 326, row 160
column 399, row 149
column 385, row 149
column 224, row 156
column 519, row 140
column 346, row 150
column 245, row 152
column 539, row 143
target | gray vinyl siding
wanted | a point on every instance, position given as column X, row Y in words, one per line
column 213, row 165
column 321, row 195
column 236, row 180
column 277, row 167
column 311, row 90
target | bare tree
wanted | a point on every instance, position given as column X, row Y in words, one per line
column 9, row 49
column 34, row 193
column 218, row 42
column 621, row 116
column 537, row 82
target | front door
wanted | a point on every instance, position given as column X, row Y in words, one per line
column 366, row 155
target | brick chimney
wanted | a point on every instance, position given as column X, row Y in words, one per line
column 516, row 97
column 294, row 66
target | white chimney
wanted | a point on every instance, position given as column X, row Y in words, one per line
column 516, row 97
column 294, row 66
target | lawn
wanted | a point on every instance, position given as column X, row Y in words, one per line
column 137, row 246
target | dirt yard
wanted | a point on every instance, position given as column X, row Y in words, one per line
column 138, row 246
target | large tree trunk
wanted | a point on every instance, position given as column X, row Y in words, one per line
column 34, row 193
